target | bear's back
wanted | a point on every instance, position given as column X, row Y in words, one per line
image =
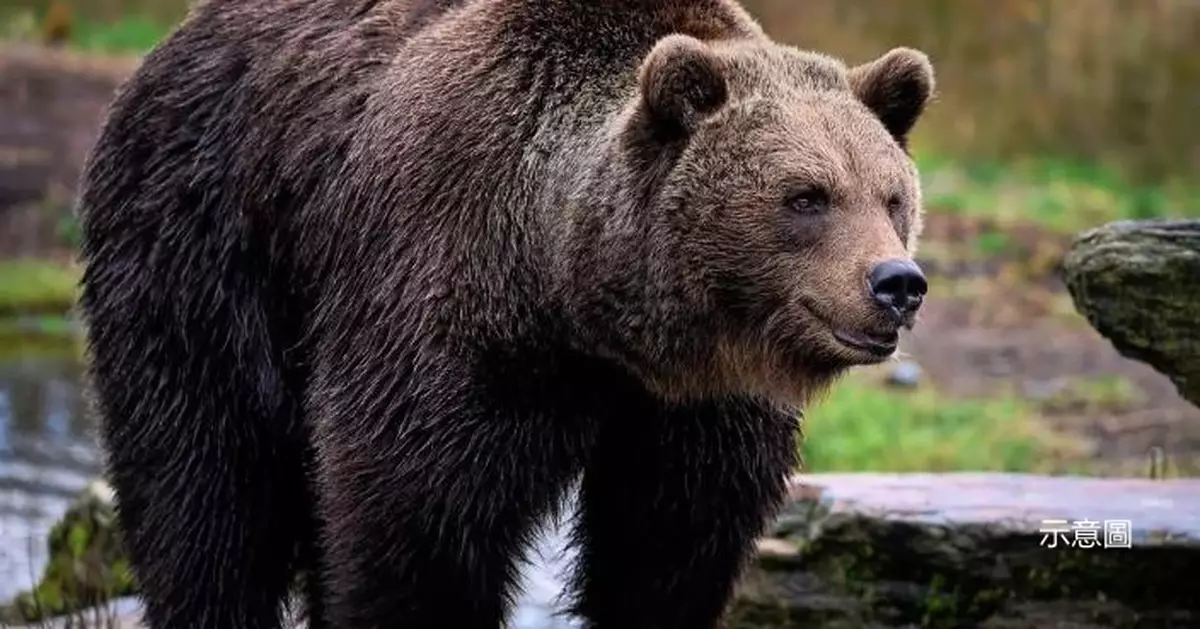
column 477, row 134
column 280, row 139
column 233, row 119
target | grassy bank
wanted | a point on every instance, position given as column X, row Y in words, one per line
column 36, row 288
column 1055, row 194
column 131, row 34
column 134, row 34
column 865, row 425
column 36, row 297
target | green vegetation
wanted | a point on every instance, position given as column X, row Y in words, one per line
column 87, row 566
column 36, row 297
column 36, row 287
column 128, row 34
column 131, row 34
column 1055, row 194
column 40, row 337
column 863, row 425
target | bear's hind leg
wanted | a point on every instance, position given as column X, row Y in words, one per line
column 204, row 454
column 670, row 504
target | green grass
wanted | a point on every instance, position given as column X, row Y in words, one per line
column 36, row 287
column 131, row 34
column 864, row 425
column 1057, row 194
column 49, row 337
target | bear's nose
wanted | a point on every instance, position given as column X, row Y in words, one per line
column 899, row 286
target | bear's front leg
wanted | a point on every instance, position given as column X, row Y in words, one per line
column 431, row 485
column 671, row 503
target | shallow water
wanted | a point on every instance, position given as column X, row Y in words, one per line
column 48, row 453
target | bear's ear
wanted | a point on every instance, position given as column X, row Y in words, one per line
column 896, row 87
column 681, row 82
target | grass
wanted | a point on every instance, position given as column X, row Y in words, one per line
column 36, row 297
column 1053, row 193
column 863, row 425
column 131, row 34
column 36, row 287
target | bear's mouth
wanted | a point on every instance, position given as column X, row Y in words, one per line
column 878, row 344
column 881, row 344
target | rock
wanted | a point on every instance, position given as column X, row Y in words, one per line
column 973, row 550
column 1138, row 284
column 905, row 374
column 86, row 565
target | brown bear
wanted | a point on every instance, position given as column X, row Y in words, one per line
column 370, row 284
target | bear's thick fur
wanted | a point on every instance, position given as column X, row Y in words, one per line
column 370, row 283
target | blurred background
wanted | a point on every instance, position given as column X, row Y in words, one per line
column 1053, row 116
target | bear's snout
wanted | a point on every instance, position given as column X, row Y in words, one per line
column 898, row 286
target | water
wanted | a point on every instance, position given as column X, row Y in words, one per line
column 48, row 454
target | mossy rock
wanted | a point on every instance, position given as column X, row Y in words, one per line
column 1138, row 284
column 869, row 551
column 86, row 568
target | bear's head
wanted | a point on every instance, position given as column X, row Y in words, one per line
column 793, row 204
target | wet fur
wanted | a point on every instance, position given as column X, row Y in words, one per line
column 369, row 284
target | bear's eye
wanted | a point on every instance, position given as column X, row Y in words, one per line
column 895, row 204
column 809, row 201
